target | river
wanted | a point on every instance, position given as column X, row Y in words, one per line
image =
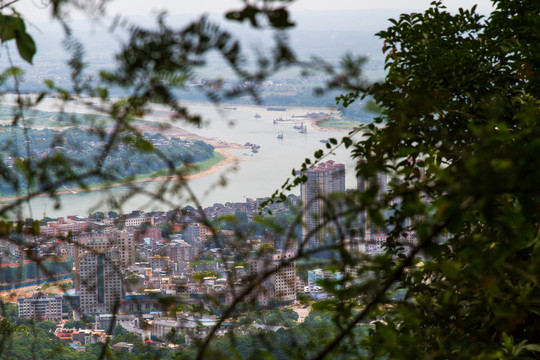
column 256, row 175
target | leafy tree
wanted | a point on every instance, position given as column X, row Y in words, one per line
column 166, row 229
column 9, row 310
column 145, row 225
column 459, row 136
column 47, row 326
column 460, row 113
column 175, row 338
column 119, row 331
column 99, row 215
column 75, row 324
column 285, row 317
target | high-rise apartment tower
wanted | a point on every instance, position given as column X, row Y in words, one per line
column 322, row 180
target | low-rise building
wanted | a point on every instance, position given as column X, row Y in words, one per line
column 40, row 306
column 123, row 346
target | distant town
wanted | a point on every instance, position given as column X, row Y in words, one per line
column 102, row 270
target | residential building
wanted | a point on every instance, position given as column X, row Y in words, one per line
column 319, row 274
column 126, row 243
column 40, row 306
column 183, row 251
column 380, row 181
column 159, row 262
column 180, row 251
column 102, row 242
column 154, row 234
column 196, row 235
column 313, row 277
column 322, row 180
column 137, row 221
column 123, row 347
column 99, row 282
column 64, row 226
column 282, row 283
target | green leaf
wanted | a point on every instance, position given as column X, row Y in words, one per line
column 249, row 12
column 8, row 26
column 532, row 347
column 49, row 84
column 450, row 269
column 26, row 46
column 279, row 18
column 12, row 27
column 144, row 145
column 9, row 73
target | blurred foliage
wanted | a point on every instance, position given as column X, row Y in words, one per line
column 460, row 108
column 457, row 133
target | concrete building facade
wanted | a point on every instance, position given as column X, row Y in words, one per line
column 102, row 242
column 100, row 283
column 322, row 180
column 281, row 285
column 40, row 306
column 380, row 181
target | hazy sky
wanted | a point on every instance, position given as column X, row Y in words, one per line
column 34, row 11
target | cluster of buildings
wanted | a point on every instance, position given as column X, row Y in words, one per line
column 124, row 265
column 323, row 221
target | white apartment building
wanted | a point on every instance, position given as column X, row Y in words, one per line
column 40, row 306
column 283, row 281
column 99, row 282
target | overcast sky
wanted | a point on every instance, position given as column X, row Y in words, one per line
column 34, row 11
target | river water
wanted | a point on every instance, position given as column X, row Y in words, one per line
column 256, row 175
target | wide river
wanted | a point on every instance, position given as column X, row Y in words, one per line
column 256, row 175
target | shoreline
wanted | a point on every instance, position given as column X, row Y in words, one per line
column 151, row 123
column 228, row 159
column 159, row 120
column 316, row 126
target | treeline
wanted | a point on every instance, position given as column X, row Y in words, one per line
column 24, row 151
column 302, row 341
column 35, row 339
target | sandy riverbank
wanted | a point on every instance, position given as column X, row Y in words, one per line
column 155, row 122
column 315, row 123
column 228, row 159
